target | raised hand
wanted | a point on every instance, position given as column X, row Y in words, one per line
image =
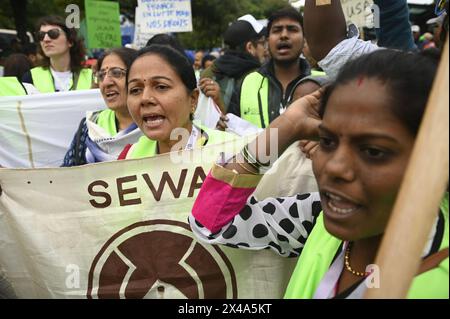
column 303, row 116
column 211, row 89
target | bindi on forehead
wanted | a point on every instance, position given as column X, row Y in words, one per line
column 360, row 81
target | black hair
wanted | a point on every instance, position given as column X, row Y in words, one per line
column 166, row 39
column 30, row 48
column 17, row 65
column 127, row 56
column 408, row 78
column 77, row 51
column 179, row 63
column 206, row 58
column 286, row 12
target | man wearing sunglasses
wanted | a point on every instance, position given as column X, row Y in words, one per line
column 63, row 55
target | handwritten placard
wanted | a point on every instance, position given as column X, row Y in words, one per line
column 103, row 24
column 140, row 37
column 358, row 11
column 163, row 16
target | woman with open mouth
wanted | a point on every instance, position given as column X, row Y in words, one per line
column 162, row 98
column 102, row 135
column 366, row 122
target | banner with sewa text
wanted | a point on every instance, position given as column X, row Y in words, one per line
column 119, row 230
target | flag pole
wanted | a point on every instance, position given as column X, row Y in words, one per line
column 417, row 203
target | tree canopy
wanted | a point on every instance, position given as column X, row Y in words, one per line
column 210, row 17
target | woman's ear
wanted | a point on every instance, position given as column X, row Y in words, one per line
column 194, row 99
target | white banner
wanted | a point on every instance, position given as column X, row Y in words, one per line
column 36, row 130
column 164, row 16
column 119, row 230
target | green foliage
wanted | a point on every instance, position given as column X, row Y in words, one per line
column 6, row 15
column 210, row 17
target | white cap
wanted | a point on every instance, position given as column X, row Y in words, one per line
column 215, row 54
column 251, row 19
column 415, row 28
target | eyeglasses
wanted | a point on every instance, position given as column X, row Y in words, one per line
column 116, row 73
column 52, row 34
column 263, row 43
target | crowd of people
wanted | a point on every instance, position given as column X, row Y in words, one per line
column 353, row 106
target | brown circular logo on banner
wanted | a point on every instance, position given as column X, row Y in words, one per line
column 160, row 259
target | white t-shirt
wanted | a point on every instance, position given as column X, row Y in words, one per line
column 63, row 80
column 31, row 89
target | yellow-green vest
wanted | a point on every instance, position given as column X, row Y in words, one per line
column 321, row 247
column 254, row 99
column 146, row 147
column 10, row 86
column 43, row 80
column 318, row 73
column 106, row 119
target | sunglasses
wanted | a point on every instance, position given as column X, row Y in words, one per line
column 116, row 73
column 52, row 34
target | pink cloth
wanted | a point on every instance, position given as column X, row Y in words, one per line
column 218, row 202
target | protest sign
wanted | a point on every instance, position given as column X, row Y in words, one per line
column 119, row 230
column 103, row 24
column 163, row 16
column 140, row 36
column 357, row 11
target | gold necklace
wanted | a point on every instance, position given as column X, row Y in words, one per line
column 347, row 263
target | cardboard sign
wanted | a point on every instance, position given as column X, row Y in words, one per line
column 358, row 11
column 140, row 37
column 103, row 24
column 163, row 16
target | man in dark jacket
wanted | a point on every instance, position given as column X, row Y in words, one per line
column 245, row 39
column 265, row 93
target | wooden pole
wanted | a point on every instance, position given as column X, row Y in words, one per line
column 418, row 201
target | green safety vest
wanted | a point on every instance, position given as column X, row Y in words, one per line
column 10, row 86
column 106, row 119
column 321, row 247
column 254, row 107
column 146, row 147
column 254, row 99
column 43, row 80
column 318, row 73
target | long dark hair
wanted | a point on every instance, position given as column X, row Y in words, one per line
column 17, row 65
column 408, row 77
column 77, row 51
